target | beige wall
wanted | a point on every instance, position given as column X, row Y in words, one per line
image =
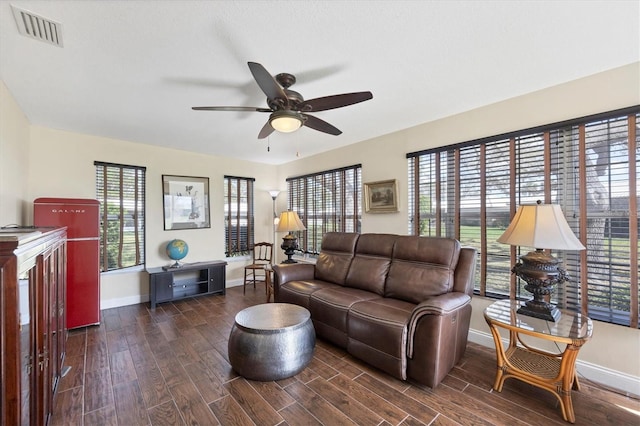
column 14, row 159
column 61, row 164
column 385, row 158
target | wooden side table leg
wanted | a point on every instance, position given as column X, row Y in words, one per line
column 569, row 381
column 567, row 406
column 500, row 359
column 576, row 383
column 268, row 284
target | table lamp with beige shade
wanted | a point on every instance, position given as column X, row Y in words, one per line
column 543, row 227
column 289, row 222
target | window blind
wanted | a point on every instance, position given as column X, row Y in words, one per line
column 326, row 201
column 239, row 215
column 121, row 192
column 470, row 191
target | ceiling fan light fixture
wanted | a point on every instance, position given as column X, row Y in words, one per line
column 285, row 121
column 288, row 108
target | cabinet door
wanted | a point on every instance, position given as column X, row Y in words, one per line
column 162, row 286
column 26, row 303
column 217, row 279
column 57, row 324
column 61, row 286
column 42, row 365
column 53, row 320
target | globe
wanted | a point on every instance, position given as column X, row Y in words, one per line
column 177, row 250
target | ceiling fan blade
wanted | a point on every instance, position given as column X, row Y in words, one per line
column 320, row 125
column 335, row 101
column 267, row 83
column 230, row 108
column 266, row 130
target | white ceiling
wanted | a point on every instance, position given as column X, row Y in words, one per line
column 132, row 70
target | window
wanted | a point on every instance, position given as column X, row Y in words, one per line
column 588, row 166
column 326, row 201
column 121, row 192
column 238, row 216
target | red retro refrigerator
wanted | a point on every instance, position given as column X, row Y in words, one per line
column 82, row 219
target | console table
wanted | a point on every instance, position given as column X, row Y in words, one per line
column 188, row 280
column 554, row 372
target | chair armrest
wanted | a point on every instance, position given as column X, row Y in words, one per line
column 441, row 305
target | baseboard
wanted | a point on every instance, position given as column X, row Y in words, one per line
column 234, row 283
column 123, row 301
column 143, row 298
column 625, row 383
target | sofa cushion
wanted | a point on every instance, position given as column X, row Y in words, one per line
column 370, row 264
column 378, row 333
column 422, row 267
column 329, row 308
column 299, row 292
column 335, row 256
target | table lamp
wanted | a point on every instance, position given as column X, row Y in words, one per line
column 542, row 226
column 289, row 222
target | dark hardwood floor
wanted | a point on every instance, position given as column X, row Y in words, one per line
column 170, row 367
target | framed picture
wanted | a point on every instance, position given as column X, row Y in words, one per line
column 186, row 202
column 381, row 196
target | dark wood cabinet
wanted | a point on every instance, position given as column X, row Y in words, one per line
column 188, row 280
column 32, row 327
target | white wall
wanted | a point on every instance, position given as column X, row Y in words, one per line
column 61, row 164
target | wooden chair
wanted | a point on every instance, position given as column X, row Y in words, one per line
column 262, row 255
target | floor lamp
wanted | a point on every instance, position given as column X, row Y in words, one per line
column 274, row 194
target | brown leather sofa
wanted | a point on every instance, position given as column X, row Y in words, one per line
column 399, row 303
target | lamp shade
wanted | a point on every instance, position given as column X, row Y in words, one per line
column 285, row 121
column 274, row 193
column 289, row 221
column 541, row 226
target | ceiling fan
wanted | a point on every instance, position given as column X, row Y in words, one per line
column 289, row 111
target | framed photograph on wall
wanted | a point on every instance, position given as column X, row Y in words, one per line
column 186, row 202
column 381, row 196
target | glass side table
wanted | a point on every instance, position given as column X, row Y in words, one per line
column 554, row 372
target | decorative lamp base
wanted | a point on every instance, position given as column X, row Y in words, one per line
column 541, row 273
column 545, row 311
column 289, row 245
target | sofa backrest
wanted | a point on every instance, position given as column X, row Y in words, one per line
column 335, row 256
column 370, row 264
column 466, row 271
column 422, row 267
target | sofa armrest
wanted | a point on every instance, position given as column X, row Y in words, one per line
column 284, row 273
column 293, row 272
column 441, row 305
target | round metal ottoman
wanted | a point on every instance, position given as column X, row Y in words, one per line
column 271, row 341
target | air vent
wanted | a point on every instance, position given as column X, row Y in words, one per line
column 37, row 27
